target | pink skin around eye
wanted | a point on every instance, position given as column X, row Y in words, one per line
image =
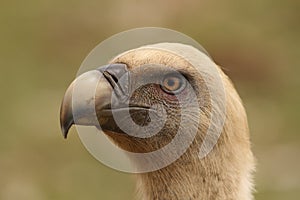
column 171, row 97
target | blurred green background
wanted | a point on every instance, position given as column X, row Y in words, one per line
column 44, row 42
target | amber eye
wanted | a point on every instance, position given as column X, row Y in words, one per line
column 173, row 84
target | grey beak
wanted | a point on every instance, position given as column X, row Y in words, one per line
column 89, row 92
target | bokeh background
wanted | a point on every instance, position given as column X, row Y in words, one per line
column 43, row 43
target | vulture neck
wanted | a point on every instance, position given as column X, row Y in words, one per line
column 190, row 178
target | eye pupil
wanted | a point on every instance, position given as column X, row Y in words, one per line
column 171, row 82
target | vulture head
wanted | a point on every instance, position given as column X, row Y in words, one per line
column 145, row 97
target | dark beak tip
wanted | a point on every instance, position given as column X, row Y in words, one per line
column 64, row 133
column 65, row 127
column 66, row 117
column 66, row 122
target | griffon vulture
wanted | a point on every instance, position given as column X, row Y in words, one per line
column 149, row 87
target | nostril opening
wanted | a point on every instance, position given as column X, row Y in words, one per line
column 113, row 73
column 110, row 78
column 114, row 78
column 113, row 81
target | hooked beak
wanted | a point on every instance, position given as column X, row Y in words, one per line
column 89, row 92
